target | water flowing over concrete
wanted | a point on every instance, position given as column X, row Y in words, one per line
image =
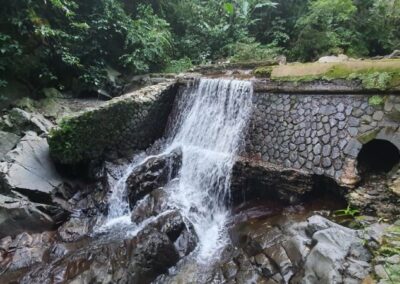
column 208, row 127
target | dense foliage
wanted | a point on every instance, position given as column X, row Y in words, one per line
column 64, row 43
column 82, row 44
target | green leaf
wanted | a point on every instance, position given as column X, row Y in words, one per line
column 229, row 8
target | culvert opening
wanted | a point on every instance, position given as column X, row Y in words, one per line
column 378, row 156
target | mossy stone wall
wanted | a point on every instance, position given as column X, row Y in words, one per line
column 130, row 122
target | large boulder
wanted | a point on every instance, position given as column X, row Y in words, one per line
column 19, row 121
column 29, row 169
column 310, row 252
column 338, row 255
column 155, row 172
column 137, row 259
column 124, row 124
column 30, row 185
column 24, row 251
column 18, row 214
column 151, row 205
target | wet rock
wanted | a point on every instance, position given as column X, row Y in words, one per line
column 151, row 205
column 26, row 250
column 152, row 174
column 229, row 270
column 74, row 229
column 18, row 214
column 374, row 197
column 268, row 269
column 154, row 254
column 26, row 257
column 278, row 254
column 329, row 261
column 251, row 178
column 179, row 231
column 139, row 259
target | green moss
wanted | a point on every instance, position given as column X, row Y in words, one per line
column 379, row 78
column 263, row 72
column 369, row 136
column 390, row 246
column 393, row 271
column 131, row 123
column 376, row 101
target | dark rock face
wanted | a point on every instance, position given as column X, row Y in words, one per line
column 75, row 229
column 18, row 214
column 154, row 254
column 179, row 231
column 30, row 170
column 151, row 205
column 22, row 252
column 373, row 197
column 71, row 255
column 31, row 187
column 251, row 178
column 154, row 173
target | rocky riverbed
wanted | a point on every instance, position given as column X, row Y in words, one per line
column 281, row 227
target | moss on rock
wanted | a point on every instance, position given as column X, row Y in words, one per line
column 130, row 122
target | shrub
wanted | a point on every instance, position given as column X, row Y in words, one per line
column 178, row 66
column 376, row 100
column 253, row 51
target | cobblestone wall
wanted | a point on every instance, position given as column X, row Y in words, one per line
column 322, row 134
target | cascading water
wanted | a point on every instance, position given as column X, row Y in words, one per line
column 208, row 128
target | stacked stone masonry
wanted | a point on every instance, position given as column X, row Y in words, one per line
column 127, row 123
column 322, row 134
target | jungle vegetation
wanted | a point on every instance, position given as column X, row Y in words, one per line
column 80, row 44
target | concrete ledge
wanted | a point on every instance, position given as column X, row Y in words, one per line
column 316, row 87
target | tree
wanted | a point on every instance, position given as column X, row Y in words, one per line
column 327, row 27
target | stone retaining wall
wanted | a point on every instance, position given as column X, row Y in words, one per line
column 130, row 122
column 319, row 133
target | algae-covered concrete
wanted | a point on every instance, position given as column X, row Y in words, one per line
column 127, row 123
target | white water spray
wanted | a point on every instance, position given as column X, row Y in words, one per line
column 210, row 124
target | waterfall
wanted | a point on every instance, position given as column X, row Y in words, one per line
column 209, row 126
